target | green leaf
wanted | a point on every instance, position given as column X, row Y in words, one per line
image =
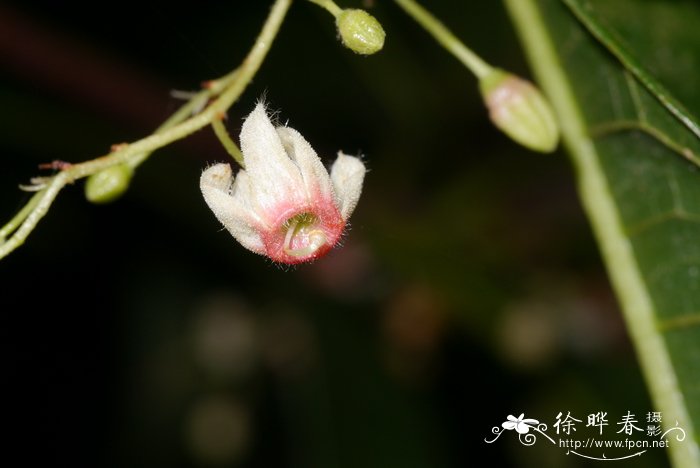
column 622, row 78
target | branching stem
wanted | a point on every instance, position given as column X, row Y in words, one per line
column 225, row 91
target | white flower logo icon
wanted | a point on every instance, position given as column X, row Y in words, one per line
column 521, row 425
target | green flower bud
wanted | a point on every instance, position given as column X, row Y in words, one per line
column 108, row 184
column 520, row 110
column 360, row 31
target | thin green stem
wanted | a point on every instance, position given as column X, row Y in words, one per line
column 445, row 37
column 595, row 192
column 19, row 218
column 196, row 102
column 329, row 5
column 227, row 142
column 41, row 203
column 228, row 89
column 194, row 105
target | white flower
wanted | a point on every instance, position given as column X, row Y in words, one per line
column 284, row 204
column 522, row 426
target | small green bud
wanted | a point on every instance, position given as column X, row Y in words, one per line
column 520, row 110
column 108, row 184
column 360, row 31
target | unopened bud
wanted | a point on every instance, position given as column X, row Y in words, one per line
column 360, row 31
column 520, row 110
column 108, row 184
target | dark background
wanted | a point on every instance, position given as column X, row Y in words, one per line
column 141, row 334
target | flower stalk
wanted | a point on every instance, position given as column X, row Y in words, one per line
column 328, row 5
column 516, row 106
column 445, row 37
column 227, row 142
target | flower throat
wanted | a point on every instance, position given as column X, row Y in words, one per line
column 303, row 237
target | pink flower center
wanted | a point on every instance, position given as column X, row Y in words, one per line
column 304, row 236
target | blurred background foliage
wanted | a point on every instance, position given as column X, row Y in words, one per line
column 140, row 334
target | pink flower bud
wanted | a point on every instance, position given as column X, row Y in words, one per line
column 284, row 204
column 520, row 110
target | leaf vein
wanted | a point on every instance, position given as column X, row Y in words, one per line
column 636, row 98
column 605, row 129
column 615, row 94
column 678, row 322
column 640, row 227
column 661, row 272
column 675, row 193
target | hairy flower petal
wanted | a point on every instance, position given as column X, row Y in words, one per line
column 215, row 184
column 313, row 172
column 276, row 176
column 347, row 175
